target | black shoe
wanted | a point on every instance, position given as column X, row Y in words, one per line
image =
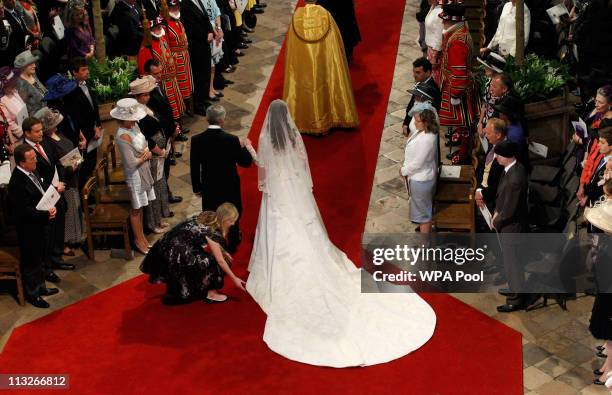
column 219, row 94
column 175, row 199
column 213, row 98
column 600, row 354
column 178, row 154
column 48, row 291
column 170, row 214
column 52, row 278
column 64, row 266
column 229, row 69
column 185, row 129
column 262, row 5
column 243, row 46
column 257, row 10
column 598, row 382
column 39, row 302
column 172, row 161
column 504, row 292
column 600, row 348
column 509, row 308
column 247, row 41
column 597, row 372
column 247, row 29
column 448, row 134
column 181, row 137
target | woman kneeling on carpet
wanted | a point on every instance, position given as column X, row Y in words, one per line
column 191, row 258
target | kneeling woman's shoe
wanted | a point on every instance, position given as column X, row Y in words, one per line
column 211, row 301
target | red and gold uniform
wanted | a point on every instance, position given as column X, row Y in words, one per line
column 160, row 51
column 456, row 82
column 177, row 40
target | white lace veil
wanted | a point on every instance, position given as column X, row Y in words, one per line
column 281, row 156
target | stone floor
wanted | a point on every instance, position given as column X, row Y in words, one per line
column 558, row 352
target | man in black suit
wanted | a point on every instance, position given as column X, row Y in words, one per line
column 25, row 190
column 48, row 165
column 488, row 175
column 83, row 108
column 199, row 35
column 214, row 156
column 489, row 171
column 509, row 220
column 128, row 18
column 421, row 71
column 17, row 36
column 593, row 191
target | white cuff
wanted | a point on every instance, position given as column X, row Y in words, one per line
column 455, row 101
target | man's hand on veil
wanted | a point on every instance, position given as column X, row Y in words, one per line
column 240, row 284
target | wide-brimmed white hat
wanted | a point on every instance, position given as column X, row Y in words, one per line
column 128, row 110
column 600, row 215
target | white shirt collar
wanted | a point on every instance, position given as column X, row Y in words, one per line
column 214, row 127
column 33, row 144
column 509, row 166
column 27, row 173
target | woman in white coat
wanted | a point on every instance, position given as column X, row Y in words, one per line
column 420, row 168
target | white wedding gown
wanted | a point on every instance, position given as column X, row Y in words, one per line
column 309, row 289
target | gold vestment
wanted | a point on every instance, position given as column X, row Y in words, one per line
column 318, row 89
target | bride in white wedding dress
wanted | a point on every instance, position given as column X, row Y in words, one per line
column 309, row 289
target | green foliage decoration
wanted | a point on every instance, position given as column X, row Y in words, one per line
column 110, row 81
column 537, row 79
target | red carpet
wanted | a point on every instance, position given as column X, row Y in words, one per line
column 124, row 340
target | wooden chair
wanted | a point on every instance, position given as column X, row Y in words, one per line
column 105, row 219
column 454, row 206
column 113, row 173
column 10, row 270
column 106, row 193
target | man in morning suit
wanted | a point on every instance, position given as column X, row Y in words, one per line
column 128, row 17
column 47, row 165
column 83, row 108
column 510, row 219
column 214, row 156
column 17, row 33
column 489, row 172
column 421, row 71
column 25, row 190
column 199, row 37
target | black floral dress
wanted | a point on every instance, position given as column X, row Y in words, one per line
column 183, row 260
